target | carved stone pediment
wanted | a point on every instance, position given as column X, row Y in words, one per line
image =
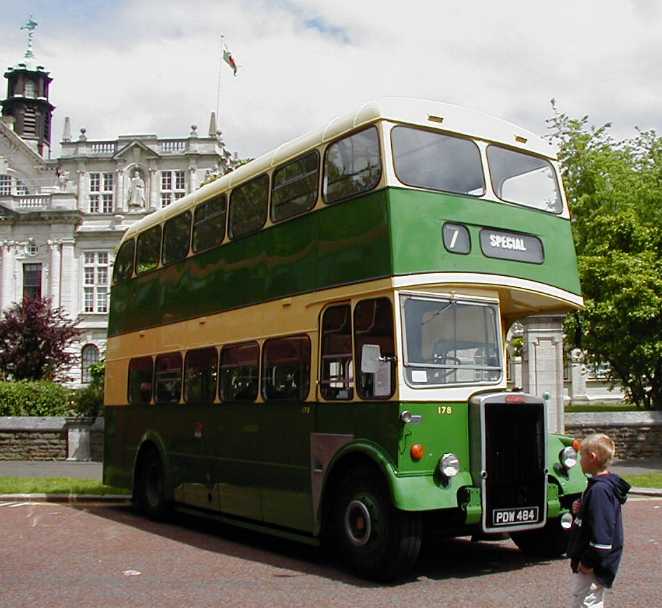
column 136, row 150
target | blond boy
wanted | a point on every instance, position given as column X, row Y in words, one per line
column 596, row 541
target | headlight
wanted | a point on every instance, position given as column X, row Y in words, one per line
column 568, row 457
column 449, row 465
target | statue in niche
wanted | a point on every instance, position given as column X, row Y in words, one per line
column 137, row 190
column 62, row 179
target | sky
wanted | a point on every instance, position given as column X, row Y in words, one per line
column 123, row 67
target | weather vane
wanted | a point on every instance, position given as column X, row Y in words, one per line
column 30, row 25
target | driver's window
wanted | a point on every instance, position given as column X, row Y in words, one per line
column 373, row 324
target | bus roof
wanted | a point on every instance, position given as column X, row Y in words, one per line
column 422, row 112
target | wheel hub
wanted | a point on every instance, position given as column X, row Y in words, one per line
column 358, row 523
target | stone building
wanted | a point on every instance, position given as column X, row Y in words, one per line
column 62, row 218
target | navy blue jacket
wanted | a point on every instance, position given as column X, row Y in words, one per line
column 596, row 536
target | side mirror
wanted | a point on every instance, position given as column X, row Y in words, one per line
column 371, row 356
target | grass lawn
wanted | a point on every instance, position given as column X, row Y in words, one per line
column 55, row 485
column 647, row 480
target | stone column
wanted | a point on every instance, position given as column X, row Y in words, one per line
column 193, row 179
column 118, row 189
column 78, row 439
column 54, row 271
column 8, row 282
column 578, row 374
column 69, row 296
column 83, row 191
column 542, row 365
column 154, row 189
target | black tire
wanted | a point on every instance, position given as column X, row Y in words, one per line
column 378, row 541
column 550, row 541
column 149, row 495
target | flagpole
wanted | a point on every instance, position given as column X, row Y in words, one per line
column 218, row 92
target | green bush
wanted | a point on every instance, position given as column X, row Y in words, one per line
column 89, row 401
column 35, row 398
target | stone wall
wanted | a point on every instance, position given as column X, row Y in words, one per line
column 637, row 435
column 50, row 438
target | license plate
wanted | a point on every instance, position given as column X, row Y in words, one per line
column 514, row 517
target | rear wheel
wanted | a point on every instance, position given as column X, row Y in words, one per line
column 378, row 541
column 150, row 486
column 550, row 541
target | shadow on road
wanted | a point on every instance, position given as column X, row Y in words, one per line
column 440, row 558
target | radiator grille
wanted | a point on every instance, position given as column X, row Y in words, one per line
column 514, row 460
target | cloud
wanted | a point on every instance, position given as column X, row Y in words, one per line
column 141, row 66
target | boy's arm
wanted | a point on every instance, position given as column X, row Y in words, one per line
column 600, row 519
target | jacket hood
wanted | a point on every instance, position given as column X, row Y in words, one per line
column 619, row 486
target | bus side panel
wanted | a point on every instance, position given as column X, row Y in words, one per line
column 291, row 257
column 343, row 243
column 286, row 494
column 238, row 450
column 376, row 422
column 424, row 213
column 354, row 241
column 117, row 466
column 444, row 428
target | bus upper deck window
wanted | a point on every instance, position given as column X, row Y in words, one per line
column 294, row 188
column 248, row 206
column 209, row 223
column 123, row 268
column 149, row 250
column 426, row 159
column 524, row 179
column 177, row 238
column 352, row 165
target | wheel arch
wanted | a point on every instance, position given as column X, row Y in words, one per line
column 348, row 458
column 151, row 441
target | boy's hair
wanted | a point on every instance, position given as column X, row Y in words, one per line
column 601, row 445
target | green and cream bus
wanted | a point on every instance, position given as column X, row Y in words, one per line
column 314, row 344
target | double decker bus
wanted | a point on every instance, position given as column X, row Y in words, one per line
column 314, row 344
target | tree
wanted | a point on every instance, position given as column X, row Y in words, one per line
column 615, row 195
column 35, row 341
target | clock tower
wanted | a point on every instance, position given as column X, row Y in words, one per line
column 27, row 99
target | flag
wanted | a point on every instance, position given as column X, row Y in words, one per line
column 229, row 59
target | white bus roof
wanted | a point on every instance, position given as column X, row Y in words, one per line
column 422, row 112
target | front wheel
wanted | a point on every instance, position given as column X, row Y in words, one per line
column 378, row 541
column 550, row 541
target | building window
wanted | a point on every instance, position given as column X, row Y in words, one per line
column 32, row 281
column 95, row 281
column 101, row 192
column 88, row 356
column 5, row 185
column 173, row 186
column 21, row 188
